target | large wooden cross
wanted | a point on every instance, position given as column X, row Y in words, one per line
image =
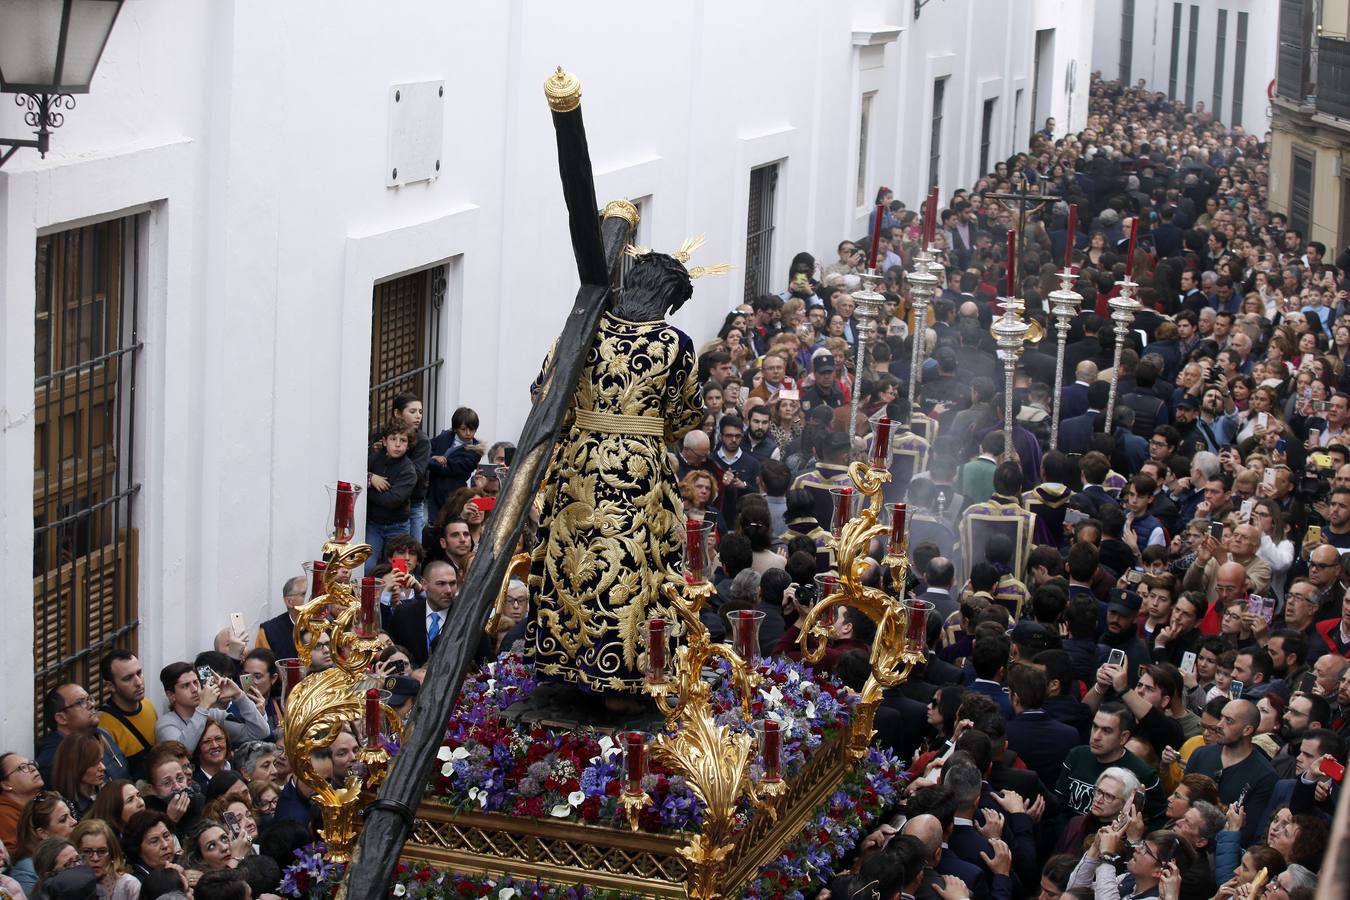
column 598, row 249
column 1023, row 202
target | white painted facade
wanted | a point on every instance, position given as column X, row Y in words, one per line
column 1156, row 23
column 253, row 135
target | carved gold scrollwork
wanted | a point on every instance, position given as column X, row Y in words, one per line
column 890, row 662
column 323, row 703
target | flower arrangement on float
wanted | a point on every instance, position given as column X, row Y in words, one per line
column 490, row 765
column 806, row 863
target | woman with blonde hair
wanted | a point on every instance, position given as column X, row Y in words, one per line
column 698, row 489
column 102, row 853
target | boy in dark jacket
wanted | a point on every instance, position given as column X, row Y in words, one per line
column 392, row 478
column 455, row 453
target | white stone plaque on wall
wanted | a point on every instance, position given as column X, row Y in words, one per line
column 416, row 129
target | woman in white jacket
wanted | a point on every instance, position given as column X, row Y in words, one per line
column 1275, row 548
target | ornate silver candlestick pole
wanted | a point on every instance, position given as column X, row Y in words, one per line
column 1064, row 304
column 1010, row 331
column 922, row 286
column 1123, row 309
column 866, row 309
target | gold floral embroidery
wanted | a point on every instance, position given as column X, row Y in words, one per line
column 611, row 524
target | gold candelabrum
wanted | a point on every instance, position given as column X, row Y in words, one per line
column 713, row 758
column 900, row 624
column 324, row 703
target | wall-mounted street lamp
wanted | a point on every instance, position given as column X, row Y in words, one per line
column 49, row 50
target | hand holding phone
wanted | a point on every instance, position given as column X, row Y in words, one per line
column 1188, row 662
column 1116, row 657
column 1331, row 769
column 400, row 564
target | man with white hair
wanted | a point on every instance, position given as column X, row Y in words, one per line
column 1074, row 397
column 694, row 454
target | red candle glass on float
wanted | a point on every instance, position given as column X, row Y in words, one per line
column 292, row 671
column 897, row 525
column 745, row 624
column 843, row 509
column 773, row 750
column 916, row 625
column 876, row 238
column 316, row 588
column 635, row 747
column 695, row 550
column 1071, row 236
column 881, row 443
column 374, row 717
column 344, row 513
column 370, row 595
column 826, row 584
column 656, row 650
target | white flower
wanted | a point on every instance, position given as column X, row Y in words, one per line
column 576, row 798
column 443, row 754
column 400, row 890
column 506, row 893
column 448, row 769
column 561, row 811
column 773, row 695
column 480, row 795
column 792, row 676
column 491, row 684
column 460, row 753
column 810, row 710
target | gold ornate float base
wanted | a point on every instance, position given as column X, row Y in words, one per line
column 646, row 865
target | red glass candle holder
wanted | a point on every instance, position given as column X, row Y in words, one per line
column 826, row 584
column 292, row 671
column 769, row 734
column 697, row 550
column 634, row 760
column 845, row 506
column 374, row 717
column 897, row 537
column 879, row 456
column 315, row 569
column 916, row 625
column 745, row 624
column 342, row 499
column 656, row 650
column 370, row 599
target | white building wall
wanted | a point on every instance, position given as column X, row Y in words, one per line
column 1151, row 59
column 253, row 136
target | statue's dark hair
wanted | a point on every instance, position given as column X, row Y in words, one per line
column 656, row 275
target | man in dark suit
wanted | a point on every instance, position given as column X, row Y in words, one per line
column 1074, row 396
column 1075, row 434
column 1040, row 741
column 939, row 577
column 936, row 802
column 278, row 633
column 418, row 625
column 1167, row 237
column 990, row 659
column 939, row 863
column 1088, row 346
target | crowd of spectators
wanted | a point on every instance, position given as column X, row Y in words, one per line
column 1151, row 701
column 1152, row 696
